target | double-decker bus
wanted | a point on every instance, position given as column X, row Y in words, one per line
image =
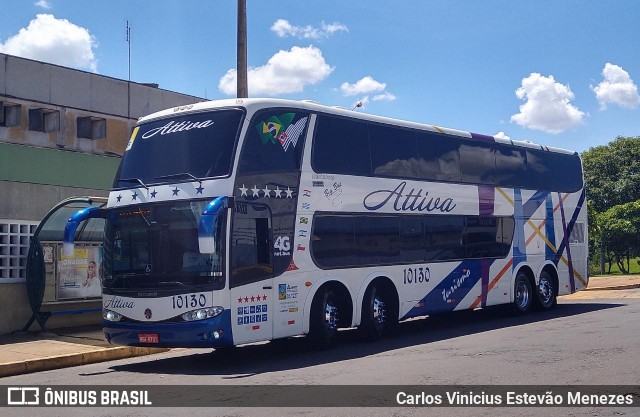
column 244, row 220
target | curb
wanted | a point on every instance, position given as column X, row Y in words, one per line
column 618, row 287
column 75, row 359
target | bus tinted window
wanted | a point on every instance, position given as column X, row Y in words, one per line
column 439, row 157
column 341, row 146
column 477, row 162
column 333, row 240
column 274, row 142
column 349, row 240
column 394, row 152
column 377, row 240
column 412, row 239
column 194, row 145
column 511, row 164
column 444, row 237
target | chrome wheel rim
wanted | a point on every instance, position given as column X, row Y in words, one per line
column 546, row 291
column 379, row 312
column 330, row 316
column 522, row 295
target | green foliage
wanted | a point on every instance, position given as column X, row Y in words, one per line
column 612, row 173
column 612, row 180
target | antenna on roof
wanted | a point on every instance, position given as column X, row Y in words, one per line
column 358, row 105
column 128, row 39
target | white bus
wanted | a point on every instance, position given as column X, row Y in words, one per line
column 238, row 221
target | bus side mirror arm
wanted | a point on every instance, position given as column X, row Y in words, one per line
column 73, row 223
column 208, row 221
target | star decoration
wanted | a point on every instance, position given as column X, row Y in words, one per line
column 255, row 191
column 278, row 192
column 240, row 300
column 253, row 298
column 154, row 193
column 119, row 197
column 243, row 191
column 289, row 192
column 258, row 298
column 175, row 191
column 134, row 196
column 267, row 191
column 264, row 297
column 199, row 189
column 246, row 299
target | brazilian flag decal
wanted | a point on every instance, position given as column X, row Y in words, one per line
column 281, row 130
column 272, row 129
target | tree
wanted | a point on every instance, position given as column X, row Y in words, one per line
column 612, row 173
column 619, row 230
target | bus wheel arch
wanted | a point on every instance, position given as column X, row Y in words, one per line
column 523, row 290
column 547, row 288
column 331, row 308
column 380, row 309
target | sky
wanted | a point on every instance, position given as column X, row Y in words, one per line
column 559, row 73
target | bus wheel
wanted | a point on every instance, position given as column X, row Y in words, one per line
column 523, row 295
column 375, row 314
column 324, row 319
column 546, row 292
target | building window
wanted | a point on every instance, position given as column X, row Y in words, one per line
column 44, row 120
column 14, row 247
column 9, row 114
column 92, row 127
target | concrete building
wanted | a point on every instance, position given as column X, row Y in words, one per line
column 62, row 132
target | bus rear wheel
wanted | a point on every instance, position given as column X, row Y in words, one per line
column 377, row 318
column 523, row 294
column 546, row 292
column 324, row 319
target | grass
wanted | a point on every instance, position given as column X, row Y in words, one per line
column 634, row 267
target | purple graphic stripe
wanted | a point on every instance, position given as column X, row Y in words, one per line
column 486, row 200
column 485, row 138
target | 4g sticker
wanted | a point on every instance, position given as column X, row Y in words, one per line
column 282, row 246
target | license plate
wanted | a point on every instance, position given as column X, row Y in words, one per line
column 148, row 338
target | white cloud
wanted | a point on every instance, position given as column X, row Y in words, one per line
column 57, row 41
column 386, row 96
column 283, row 28
column 501, row 135
column 617, row 88
column 363, row 86
column 285, row 72
column 547, row 105
column 43, row 3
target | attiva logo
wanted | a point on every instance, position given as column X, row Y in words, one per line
column 117, row 302
column 173, row 127
column 414, row 200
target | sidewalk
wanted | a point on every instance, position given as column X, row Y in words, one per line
column 26, row 352
column 23, row 353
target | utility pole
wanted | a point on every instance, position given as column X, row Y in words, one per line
column 242, row 87
column 128, row 38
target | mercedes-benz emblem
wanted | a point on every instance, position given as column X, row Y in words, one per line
column 147, row 313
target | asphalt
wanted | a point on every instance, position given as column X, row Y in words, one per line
column 27, row 352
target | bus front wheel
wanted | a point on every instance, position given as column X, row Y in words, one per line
column 324, row 319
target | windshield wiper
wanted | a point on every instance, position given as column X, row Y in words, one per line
column 138, row 180
column 176, row 283
column 179, row 175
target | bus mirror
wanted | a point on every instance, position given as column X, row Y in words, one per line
column 207, row 224
column 73, row 223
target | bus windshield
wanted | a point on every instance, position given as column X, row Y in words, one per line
column 189, row 147
column 156, row 246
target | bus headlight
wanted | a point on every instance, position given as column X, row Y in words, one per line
column 203, row 313
column 111, row 315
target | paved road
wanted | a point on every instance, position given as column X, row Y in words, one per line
column 590, row 338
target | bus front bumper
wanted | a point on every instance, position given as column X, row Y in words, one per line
column 208, row 333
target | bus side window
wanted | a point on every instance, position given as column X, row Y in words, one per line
column 251, row 246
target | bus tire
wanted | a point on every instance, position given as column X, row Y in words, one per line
column 546, row 294
column 324, row 319
column 376, row 319
column 522, row 294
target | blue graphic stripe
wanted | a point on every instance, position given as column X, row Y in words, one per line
column 570, row 226
column 449, row 292
column 550, row 230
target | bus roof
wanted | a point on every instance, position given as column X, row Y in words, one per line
column 254, row 104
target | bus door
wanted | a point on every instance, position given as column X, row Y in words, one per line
column 251, row 273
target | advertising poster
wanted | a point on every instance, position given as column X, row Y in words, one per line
column 79, row 275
